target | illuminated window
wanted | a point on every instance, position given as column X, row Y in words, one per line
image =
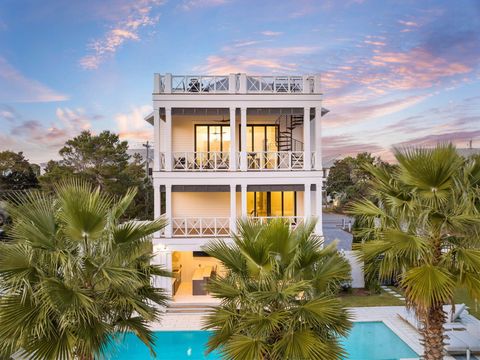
column 272, row 203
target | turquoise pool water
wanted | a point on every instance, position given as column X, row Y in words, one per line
column 367, row 341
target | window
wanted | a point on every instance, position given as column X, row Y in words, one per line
column 272, row 203
column 209, row 138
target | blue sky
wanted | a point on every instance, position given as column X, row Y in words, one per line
column 394, row 73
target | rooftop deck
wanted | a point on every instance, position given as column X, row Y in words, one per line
column 236, row 84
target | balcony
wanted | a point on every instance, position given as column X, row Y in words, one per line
column 187, row 161
column 236, row 84
column 218, row 226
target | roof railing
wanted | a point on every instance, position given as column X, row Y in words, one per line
column 236, row 84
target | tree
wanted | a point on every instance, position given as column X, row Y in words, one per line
column 102, row 160
column 16, row 173
column 73, row 276
column 278, row 294
column 347, row 179
column 425, row 225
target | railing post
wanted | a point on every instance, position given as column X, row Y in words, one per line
column 306, row 84
column 243, row 84
column 317, row 88
column 307, row 163
column 232, row 83
column 168, row 83
column 156, row 83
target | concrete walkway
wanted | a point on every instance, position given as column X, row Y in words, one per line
column 332, row 230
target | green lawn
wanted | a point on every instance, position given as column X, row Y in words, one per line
column 461, row 297
column 361, row 297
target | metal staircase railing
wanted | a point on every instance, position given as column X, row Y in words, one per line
column 285, row 140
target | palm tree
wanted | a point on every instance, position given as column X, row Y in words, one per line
column 72, row 277
column 424, row 220
column 277, row 295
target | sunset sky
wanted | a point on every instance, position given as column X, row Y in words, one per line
column 394, row 73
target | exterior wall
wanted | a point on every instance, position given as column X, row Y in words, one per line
column 183, row 128
column 190, row 263
column 208, row 204
column 358, row 280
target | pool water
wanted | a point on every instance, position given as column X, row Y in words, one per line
column 366, row 341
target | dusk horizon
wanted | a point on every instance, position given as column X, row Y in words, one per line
column 393, row 73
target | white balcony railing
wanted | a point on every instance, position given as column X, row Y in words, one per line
column 201, row 161
column 274, row 160
column 220, row 161
column 276, row 84
column 189, row 226
column 199, row 84
column 200, row 227
column 237, row 84
column 293, row 221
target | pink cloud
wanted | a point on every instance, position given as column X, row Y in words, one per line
column 132, row 126
column 138, row 15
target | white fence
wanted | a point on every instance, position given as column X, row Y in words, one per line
column 237, row 83
column 199, row 226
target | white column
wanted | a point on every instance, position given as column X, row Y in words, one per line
column 243, row 139
column 233, row 140
column 168, row 210
column 156, row 139
column 318, row 138
column 157, row 204
column 233, row 208
column 318, row 210
column 168, row 139
column 307, row 202
column 244, row 200
column 163, row 257
column 307, row 152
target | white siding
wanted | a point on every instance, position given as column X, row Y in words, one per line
column 209, row 204
column 183, row 132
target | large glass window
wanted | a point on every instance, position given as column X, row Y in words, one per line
column 261, row 138
column 272, row 203
column 209, row 138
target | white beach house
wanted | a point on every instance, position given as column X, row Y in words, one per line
column 227, row 147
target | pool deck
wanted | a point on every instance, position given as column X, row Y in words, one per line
column 387, row 314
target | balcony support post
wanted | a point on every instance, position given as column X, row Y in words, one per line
column 318, row 138
column 244, row 200
column 307, row 201
column 233, row 139
column 243, row 139
column 156, row 139
column 319, row 208
column 168, row 139
column 168, row 210
column 307, row 153
column 233, row 208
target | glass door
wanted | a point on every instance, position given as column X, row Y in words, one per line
column 261, row 146
column 272, row 203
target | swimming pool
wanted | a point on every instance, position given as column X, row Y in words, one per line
column 367, row 341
